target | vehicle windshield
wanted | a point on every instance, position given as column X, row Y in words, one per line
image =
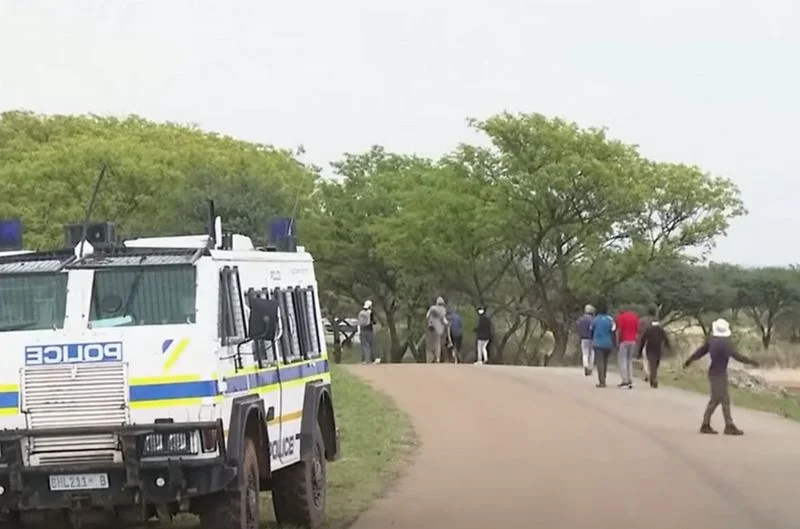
column 32, row 302
column 155, row 295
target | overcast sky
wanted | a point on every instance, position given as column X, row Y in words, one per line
column 715, row 83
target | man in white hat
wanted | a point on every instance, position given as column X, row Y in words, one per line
column 366, row 334
column 720, row 349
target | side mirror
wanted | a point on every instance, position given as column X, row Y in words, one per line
column 263, row 320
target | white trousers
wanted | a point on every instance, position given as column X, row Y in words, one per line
column 483, row 353
column 588, row 353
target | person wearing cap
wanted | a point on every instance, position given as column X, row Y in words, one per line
column 720, row 349
column 366, row 334
column 483, row 335
column 434, row 332
column 585, row 332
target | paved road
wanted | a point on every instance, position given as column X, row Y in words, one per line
column 512, row 447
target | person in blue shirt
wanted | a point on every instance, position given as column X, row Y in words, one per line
column 456, row 334
column 603, row 331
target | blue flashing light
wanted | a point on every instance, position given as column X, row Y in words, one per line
column 11, row 234
column 280, row 228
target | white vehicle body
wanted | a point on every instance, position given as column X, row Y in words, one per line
column 149, row 335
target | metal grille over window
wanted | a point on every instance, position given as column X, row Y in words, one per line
column 231, row 320
column 143, row 296
column 311, row 313
column 32, row 301
column 294, row 342
column 236, row 298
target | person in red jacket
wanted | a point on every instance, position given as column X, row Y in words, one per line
column 627, row 336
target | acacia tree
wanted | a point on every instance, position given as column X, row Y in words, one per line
column 767, row 294
column 585, row 212
column 344, row 233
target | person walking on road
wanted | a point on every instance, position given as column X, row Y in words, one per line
column 366, row 334
column 603, row 328
column 585, row 332
column 434, row 332
column 644, row 324
column 628, row 334
column 483, row 334
column 456, row 334
column 653, row 341
column 721, row 350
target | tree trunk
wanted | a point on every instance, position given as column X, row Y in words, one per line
column 766, row 337
column 497, row 349
column 560, row 342
column 396, row 349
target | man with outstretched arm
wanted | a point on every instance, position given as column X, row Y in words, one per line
column 720, row 348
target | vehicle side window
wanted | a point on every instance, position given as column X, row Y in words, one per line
column 232, row 323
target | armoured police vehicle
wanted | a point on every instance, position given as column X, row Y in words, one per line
column 159, row 376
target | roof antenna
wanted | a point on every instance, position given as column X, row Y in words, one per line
column 90, row 208
column 212, row 231
column 294, row 208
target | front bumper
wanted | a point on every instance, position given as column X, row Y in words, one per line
column 130, row 483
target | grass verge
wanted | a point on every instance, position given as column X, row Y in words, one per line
column 695, row 379
column 376, row 441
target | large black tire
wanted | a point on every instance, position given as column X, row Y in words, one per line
column 299, row 492
column 237, row 509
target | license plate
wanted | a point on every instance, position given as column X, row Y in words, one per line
column 79, row 482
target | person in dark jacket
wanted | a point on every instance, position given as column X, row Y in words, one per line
column 483, row 334
column 456, row 334
column 585, row 332
column 644, row 323
column 720, row 348
column 653, row 341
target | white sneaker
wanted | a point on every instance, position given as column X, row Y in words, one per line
column 478, row 362
column 376, row 361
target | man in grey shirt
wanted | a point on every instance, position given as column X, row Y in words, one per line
column 436, row 325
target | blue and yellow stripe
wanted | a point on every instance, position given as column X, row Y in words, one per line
column 9, row 399
column 188, row 390
column 192, row 390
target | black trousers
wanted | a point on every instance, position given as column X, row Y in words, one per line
column 653, row 361
column 601, row 355
column 458, row 341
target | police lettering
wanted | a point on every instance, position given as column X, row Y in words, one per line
column 282, row 448
column 80, row 353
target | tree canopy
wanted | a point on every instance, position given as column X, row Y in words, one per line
column 545, row 217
